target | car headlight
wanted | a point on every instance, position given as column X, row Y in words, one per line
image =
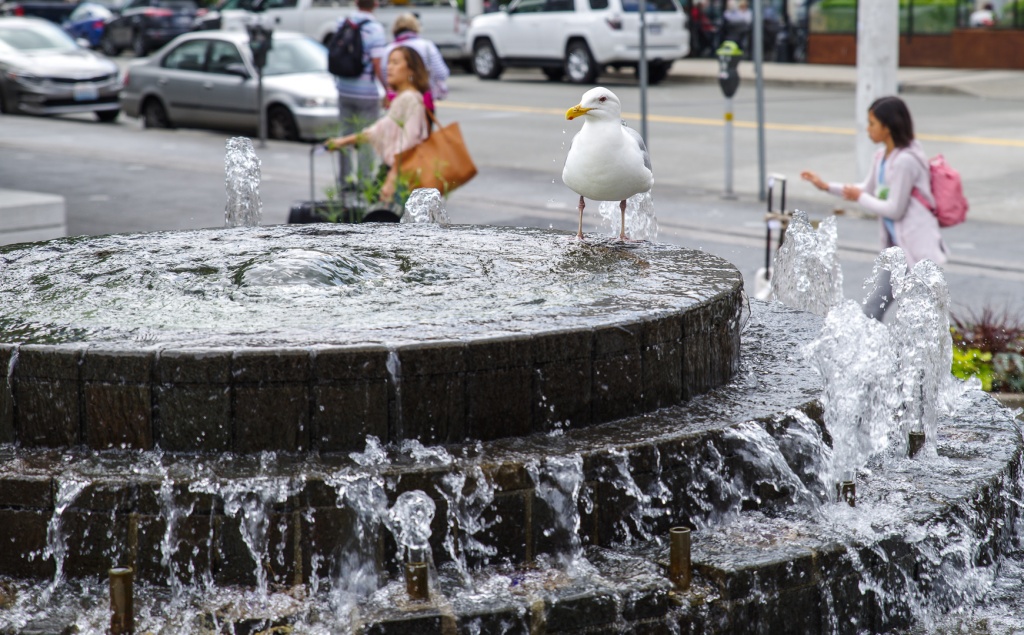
column 318, row 102
column 23, row 77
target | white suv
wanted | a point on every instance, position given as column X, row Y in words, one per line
column 577, row 38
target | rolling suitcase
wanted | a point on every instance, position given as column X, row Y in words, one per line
column 347, row 207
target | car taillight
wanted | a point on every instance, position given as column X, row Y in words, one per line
column 201, row 12
column 98, row 24
column 124, row 78
column 19, row 10
column 153, row 12
column 615, row 22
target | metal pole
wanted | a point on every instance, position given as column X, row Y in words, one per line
column 728, row 148
column 259, row 105
column 759, row 92
column 642, row 73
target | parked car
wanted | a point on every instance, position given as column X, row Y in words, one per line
column 146, row 25
column 441, row 21
column 44, row 72
column 577, row 38
column 55, row 11
column 207, row 79
column 87, row 22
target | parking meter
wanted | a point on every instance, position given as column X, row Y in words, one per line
column 729, row 56
column 260, row 42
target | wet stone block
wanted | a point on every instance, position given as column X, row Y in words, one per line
column 96, row 541
column 194, row 417
column 271, row 417
column 47, row 412
column 329, row 533
column 121, row 367
column 618, row 387
column 7, row 433
column 508, row 526
column 499, row 403
column 23, row 536
column 513, row 620
column 40, row 361
column 430, row 408
column 562, row 379
column 193, row 367
column 186, row 545
column 662, row 375
column 270, row 366
column 578, row 611
column 427, row 621
column 27, row 492
column 346, row 412
column 118, row 415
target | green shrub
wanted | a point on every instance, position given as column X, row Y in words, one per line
column 990, row 346
column 930, row 16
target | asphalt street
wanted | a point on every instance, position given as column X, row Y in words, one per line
column 122, row 178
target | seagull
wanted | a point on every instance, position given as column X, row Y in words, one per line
column 607, row 160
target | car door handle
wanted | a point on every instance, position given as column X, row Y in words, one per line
column 162, row 81
column 208, row 85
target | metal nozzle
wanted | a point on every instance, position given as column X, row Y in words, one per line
column 847, row 491
column 122, row 609
column 679, row 557
column 416, row 581
column 916, row 443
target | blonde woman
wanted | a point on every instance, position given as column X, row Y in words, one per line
column 404, row 124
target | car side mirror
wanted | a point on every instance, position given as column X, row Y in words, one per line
column 238, row 69
column 82, row 42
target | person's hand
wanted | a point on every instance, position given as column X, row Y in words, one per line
column 851, row 192
column 815, row 180
column 387, row 191
column 332, row 144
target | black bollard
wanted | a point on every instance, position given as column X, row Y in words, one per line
column 679, row 557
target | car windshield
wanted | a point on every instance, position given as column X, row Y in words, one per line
column 295, row 55
column 34, row 37
column 633, row 6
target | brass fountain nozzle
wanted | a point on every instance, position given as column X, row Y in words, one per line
column 417, row 581
column 679, row 557
column 122, row 609
column 847, row 491
column 916, row 442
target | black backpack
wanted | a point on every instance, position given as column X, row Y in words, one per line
column 345, row 51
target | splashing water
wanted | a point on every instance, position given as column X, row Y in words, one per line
column 56, row 542
column 806, row 274
column 242, row 180
column 558, row 481
column 641, row 223
column 469, row 494
column 409, row 520
column 853, row 356
column 425, row 206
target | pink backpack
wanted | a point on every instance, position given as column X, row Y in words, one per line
column 947, row 190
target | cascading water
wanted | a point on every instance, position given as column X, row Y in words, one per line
column 244, row 207
column 641, row 223
column 425, row 206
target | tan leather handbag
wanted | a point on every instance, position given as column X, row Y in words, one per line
column 442, row 161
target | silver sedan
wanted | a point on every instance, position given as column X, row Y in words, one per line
column 207, row 79
column 44, row 72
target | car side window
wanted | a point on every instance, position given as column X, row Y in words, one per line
column 598, row 5
column 558, row 5
column 190, row 56
column 530, row 6
column 223, row 54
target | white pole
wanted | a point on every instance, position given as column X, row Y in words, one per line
column 878, row 55
column 642, row 73
column 759, row 92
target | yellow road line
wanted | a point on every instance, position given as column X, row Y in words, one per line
column 700, row 121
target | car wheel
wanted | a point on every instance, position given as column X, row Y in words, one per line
column 107, row 116
column 657, row 72
column 154, row 115
column 485, row 60
column 579, row 63
column 281, row 124
column 8, row 102
column 554, row 74
column 140, row 46
column 108, row 47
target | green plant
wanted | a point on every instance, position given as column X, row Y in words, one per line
column 989, row 345
column 972, row 362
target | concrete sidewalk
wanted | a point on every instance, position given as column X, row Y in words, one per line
column 987, row 84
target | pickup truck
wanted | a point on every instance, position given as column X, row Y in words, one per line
column 53, row 10
column 441, row 21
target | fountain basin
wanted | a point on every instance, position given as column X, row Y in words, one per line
column 308, row 338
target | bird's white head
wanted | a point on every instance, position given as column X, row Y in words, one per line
column 599, row 103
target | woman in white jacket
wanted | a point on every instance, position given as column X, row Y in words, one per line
column 898, row 190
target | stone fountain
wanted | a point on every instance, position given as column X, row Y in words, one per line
column 252, row 419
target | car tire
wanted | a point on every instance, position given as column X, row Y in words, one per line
column 657, row 72
column 108, row 47
column 553, row 74
column 140, row 45
column 8, row 102
column 580, row 66
column 281, row 124
column 485, row 60
column 107, row 116
column 154, row 115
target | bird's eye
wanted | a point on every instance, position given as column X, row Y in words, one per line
column 603, row 99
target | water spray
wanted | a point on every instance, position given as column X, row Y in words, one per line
column 679, row 557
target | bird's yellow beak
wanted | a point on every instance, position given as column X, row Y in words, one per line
column 576, row 111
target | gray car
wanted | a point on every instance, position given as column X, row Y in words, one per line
column 207, row 79
column 44, row 72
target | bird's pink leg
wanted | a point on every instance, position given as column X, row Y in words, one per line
column 622, row 211
column 579, row 232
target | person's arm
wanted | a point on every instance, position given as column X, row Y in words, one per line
column 900, row 178
column 337, row 143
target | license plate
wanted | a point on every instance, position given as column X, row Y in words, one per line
column 654, row 29
column 183, row 20
column 85, row 92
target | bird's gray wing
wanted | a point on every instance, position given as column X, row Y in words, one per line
column 643, row 146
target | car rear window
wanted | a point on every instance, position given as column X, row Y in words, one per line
column 632, row 6
column 298, row 55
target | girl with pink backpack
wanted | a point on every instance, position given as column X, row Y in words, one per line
column 898, row 190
